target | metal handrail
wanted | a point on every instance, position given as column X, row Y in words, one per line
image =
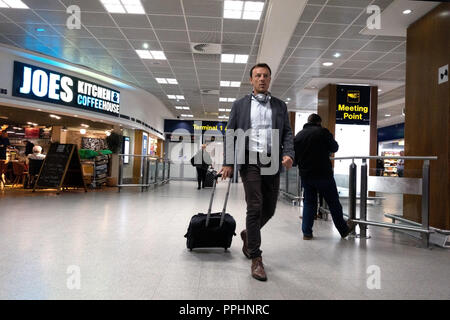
column 386, row 157
column 423, row 228
column 145, row 171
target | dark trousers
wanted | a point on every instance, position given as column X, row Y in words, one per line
column 261, row 195
column 326, row 186
column 201, row 176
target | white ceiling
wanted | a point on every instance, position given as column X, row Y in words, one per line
column 107, row 42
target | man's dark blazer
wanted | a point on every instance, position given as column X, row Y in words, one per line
column 240, row 119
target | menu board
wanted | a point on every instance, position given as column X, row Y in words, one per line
column 61, row 168
column 32, row 133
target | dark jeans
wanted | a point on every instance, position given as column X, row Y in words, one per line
column 326, row 186
column 201, row 176
column 261, row 195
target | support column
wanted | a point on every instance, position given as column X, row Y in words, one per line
column 427, row 113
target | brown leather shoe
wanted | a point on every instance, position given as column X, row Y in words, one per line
column 244, row 247
column 305, row 237
column 258, row 269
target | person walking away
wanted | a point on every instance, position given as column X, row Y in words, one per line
column 201, row 161
column 313, row 146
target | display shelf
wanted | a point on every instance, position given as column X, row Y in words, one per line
column 390, row 165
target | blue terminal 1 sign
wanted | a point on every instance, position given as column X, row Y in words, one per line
column 41, row 84
column 353, row 104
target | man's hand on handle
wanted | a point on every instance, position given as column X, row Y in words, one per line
column 287, row 162
column 226, row 172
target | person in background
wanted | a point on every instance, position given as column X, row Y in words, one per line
column 313, row 146
column 28, row 148
column 201, row 161
column 4, row 144
column 37, row 154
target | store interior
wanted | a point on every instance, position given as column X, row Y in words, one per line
column 391, row 167
column 26, row 129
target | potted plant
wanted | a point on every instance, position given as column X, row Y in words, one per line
column 114, row 142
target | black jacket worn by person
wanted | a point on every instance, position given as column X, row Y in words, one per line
column 240, row 118
column 313, row 146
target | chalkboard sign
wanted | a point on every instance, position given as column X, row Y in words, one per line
column 61, row 168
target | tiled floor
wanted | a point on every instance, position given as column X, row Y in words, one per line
column 130, row 245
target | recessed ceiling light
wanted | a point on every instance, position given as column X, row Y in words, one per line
column 84, row 125
column 172, row 81
column 250, row 10
column 179, row 107
column 161, row 80
column 187, row 115
column 327, row 64
column 234, row 58
column 55, row 117
column 337, row 55
column 222, row 99
column 83, row 131
column 123, row 6
column 387, row 115
column 14, row 4
column 146, row 54
column 145, row 46
column 407, row 11
column 173, row 97
column 379, row 90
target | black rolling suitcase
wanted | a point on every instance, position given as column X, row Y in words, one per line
column 209, row 179
column 211, row 230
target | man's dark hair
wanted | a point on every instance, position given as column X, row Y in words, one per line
column 314, row 119
column 260, row 65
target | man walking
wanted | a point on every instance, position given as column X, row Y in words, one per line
column 260, row 123
column 313, row 147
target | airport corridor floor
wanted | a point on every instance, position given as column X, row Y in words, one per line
column 130, row 245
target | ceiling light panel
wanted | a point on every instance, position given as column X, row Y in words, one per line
column 14, row 4
column 234, row 58
column 252, row 10
column 222, row 99
column 248, row 10
column 123, row 6
column 235, row 84
column 144, row 54
column 166, row 81
column 156, row 55
column 133, row 6
column 233, row 9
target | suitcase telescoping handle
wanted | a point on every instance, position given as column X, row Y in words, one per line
column 212, row 198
